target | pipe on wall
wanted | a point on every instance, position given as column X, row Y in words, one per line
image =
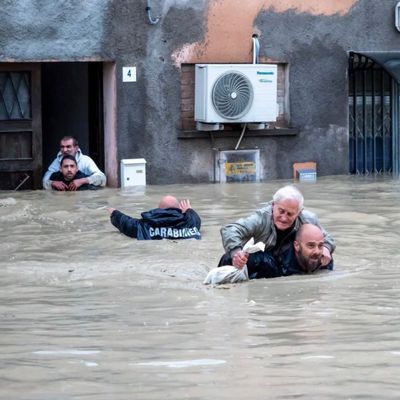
column 151, row 20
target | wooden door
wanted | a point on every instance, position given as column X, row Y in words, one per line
column 20, row 126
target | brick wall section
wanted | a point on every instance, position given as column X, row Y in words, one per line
column 187, row 97
column 280, row 121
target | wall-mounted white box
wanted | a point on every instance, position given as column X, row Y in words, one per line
column 133, row 172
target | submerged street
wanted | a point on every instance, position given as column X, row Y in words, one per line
column 88, row 313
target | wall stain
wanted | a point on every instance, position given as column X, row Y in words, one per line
column 229, row 27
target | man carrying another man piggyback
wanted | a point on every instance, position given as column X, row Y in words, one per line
column 295, row 242
column 92, row 174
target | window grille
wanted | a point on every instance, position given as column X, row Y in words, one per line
column 370, row 116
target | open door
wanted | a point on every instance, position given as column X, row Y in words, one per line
column 20, row 126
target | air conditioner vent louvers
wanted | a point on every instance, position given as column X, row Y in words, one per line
column 232, row 95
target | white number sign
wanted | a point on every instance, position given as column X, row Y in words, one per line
column 128, row 74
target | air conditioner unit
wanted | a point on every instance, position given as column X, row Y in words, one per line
column 235, row 93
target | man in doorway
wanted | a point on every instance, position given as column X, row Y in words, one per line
column 69, row 146
column 303, row 256
column 275, row 225
column 173, row 219
column 69, row 178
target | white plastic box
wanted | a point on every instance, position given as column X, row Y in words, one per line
column 133, row 172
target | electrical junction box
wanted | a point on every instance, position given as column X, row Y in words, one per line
column 237, row 166
column 133, row 172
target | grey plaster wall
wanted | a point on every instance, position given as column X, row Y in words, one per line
column 315, row 47
column 318, row 88
column 34, row 30
column 149, row 110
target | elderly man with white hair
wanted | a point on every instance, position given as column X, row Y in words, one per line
column 276, row 225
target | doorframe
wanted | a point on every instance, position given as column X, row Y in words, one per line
column 110, row 123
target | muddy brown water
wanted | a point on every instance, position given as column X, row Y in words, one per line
column 87, row 313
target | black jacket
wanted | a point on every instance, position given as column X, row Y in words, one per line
column 265, row 265
column 159, row 223
column 269, row 265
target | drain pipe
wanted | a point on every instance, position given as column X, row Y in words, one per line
column 256, row 49
column 152, row 21
column 241, row 136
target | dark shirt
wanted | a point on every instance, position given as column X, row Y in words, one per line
column 284, row 240
column 58, row 176
column 159, row 223
column 266, row 265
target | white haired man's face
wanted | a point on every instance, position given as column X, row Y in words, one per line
column 284, row 213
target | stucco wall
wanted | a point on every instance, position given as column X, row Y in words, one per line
column 313, row 38
column 308, row 36
column 41, row 30
column 221, row 31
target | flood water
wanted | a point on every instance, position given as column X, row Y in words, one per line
column 87, row 313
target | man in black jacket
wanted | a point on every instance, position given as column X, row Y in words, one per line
column 172, row 219
column 69, row 177
column 304, row 256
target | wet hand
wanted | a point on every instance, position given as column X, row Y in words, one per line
column 184, row 205
column 110, row 210
column 60, row 186
column 77, row 183
column 326, row 257
column 239, row 259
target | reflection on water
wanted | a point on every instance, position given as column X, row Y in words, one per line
column 87, row 313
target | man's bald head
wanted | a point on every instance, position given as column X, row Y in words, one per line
column 307, row 231
column 308, row 246
column 169, row 202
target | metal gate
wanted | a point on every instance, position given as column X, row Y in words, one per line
column 372, row 101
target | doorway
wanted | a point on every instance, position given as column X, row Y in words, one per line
column 372, row 99
column 42, row 102
column 72, row 105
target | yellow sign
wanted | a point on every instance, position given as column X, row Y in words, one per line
column 240, row 168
